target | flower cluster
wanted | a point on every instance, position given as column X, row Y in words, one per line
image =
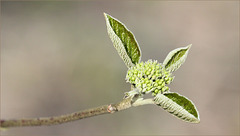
column 149, row 76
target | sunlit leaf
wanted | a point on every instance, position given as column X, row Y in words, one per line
column 123, row 40
column 179, row 106
column 176, row 58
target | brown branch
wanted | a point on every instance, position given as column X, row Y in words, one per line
column 105, row 109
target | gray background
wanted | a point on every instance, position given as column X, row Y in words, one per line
column 57, row 58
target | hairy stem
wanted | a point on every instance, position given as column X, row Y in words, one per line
column 105, row 109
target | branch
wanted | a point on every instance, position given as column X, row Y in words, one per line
column 105, row 109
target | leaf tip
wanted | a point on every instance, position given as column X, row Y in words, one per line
column 196, row 121
column 198, row 117
column 189, row 46
column 105, row 14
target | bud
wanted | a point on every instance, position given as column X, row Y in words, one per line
column 149, row 76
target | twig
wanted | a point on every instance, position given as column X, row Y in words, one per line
column 105, row 109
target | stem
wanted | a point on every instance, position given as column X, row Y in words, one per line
column 55, row 120
column 143, row 102
column 105, row 109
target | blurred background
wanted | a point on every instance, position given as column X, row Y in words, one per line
column 56, row 58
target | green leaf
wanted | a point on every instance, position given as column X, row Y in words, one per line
column 123, row 40
column 179, row 106
column 176, row 58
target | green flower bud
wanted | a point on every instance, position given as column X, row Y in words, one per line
column 163, row 84
column 166, row 78
column 149, row 76
column 156, row 91
column 147, row 73
column 155, row 85
column 168, row 82
column 159, row 87
column 165, row 88
column 132, row 78
column 148, row 89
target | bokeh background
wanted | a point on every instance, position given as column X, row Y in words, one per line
column 57, row 58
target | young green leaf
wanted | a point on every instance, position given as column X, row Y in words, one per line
column 176, row 58
column 123, row 40
column 179, row 106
